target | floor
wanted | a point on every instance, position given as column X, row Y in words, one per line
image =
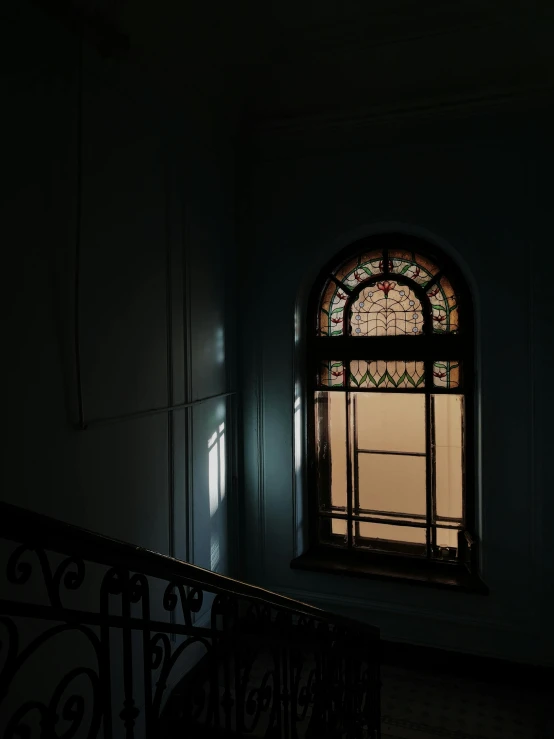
column 430, row 705
column 446, row 702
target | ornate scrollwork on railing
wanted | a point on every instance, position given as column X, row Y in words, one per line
column 19, row 570
column 69, row 711
column 137, row 650
column 190, row 600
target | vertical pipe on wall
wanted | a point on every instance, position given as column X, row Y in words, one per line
column 187, row 451
column 169, row 367
column 78, row 224
column 169, row 360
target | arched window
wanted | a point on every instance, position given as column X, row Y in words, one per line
column 390, row 366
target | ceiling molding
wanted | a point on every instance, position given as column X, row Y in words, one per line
column 436, row 106
column 369, row 26
column 314, row 42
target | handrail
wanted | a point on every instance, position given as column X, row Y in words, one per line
column 252, row 659
column 20, row 524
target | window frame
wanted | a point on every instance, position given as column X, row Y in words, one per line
column 427, row 347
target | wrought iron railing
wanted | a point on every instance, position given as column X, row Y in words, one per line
column 103, row 639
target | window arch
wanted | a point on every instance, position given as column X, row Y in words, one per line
column 390, row 368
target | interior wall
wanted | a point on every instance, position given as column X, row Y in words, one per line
column 470, row 185
column 118, row 238
column 101, row 162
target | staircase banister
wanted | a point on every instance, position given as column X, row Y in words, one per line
column 43, row 532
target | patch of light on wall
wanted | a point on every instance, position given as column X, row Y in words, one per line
column 297, row 433
column 216, row 487
column 221, row 444
column 214, row 552
column 220, row 345
column 213, row 474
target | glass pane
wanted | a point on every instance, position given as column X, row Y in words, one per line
column 333, row 298
column 332, row 531
column 337, row 427
column 391, row 483
column 387, row 374
column 416, row 267
column 386, row 308
column 392, row 422
column 360, row 268
column 444, row 307
column 447, row 538
column 330, row 424
column 331, row 373
column 331, row 319
column 392, row 533
column 446, row 374
column 448, row 416
column 338, row 526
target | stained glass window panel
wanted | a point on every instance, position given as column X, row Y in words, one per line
column 448, row 430
column 331, row 373
column 386, row 374
column 393, row 422
column 360, row 268
column 444, row 307
column 418, row 268
column 331, row 319
column 389, row 432
column 396, row 485
column 386, row 308
column 446, row 374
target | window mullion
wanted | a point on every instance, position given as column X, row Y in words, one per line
column 356, row 475
column 433, row 465
column 430, row 506
column 349, row 461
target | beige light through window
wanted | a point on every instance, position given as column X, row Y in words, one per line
column 391, row 458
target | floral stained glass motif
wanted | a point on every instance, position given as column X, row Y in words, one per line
column 386, row 374
column 331, row 317
column 351, row 274
column 402, row 266
column 331, row 374
column 411, row 265
column 444, row 307
column 358, row 269
column 446, row 374
column 386, row 308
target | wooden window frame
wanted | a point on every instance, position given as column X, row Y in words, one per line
column 429, row 347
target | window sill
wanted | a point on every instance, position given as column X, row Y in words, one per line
column 392, row 569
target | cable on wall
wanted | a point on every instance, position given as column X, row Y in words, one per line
column 82, row 423
column 153, row 411
column 78, row 229
column 169, row 360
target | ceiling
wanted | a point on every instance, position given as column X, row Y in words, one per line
column 286, row 58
